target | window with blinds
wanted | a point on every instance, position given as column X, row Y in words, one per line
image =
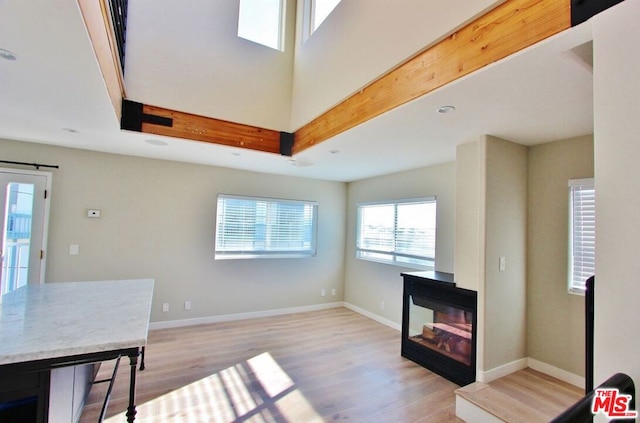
column 582, row 234
column 251, row 227
column 402, row 233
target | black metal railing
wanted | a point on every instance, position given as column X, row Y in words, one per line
column 582, row 411
column 119, row 20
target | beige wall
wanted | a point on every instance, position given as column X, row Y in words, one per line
column 505, row 219
column 469, row 233
column 491, row 190
column 158, row 221
column 367, row 283
column 617, row 149
column 555, row 318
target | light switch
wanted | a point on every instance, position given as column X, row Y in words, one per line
column 502, row 264
column 74, row 249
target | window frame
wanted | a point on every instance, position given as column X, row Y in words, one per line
column 395, row 255
column 577, row 284
column 221, row 253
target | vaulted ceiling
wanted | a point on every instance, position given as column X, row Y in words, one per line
column 54, row 93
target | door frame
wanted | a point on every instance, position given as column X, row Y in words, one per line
column 45, row 224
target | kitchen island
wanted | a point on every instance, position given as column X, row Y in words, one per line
column 45, row 327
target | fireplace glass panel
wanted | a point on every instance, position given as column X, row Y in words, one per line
column 441, row 327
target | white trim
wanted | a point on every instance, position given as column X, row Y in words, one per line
column 501, row 371
column 558, row 373
column 240, row 316
column 542, row 367
column 373, row 316
column 47, row 204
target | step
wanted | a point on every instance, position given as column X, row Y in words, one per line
column 526, row 396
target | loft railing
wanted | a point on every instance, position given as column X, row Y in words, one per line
column 582, row 411
column 119, row 20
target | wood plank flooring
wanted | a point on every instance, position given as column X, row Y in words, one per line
column 526, row 396
column 326, row 366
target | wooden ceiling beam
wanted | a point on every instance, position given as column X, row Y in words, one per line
column 507, row 29
column 171, row 123
column 501, row 32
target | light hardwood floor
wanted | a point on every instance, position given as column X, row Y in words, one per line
column 324, row 366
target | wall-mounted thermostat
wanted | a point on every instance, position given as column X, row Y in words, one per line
column 93, row 213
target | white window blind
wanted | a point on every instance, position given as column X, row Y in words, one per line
column 401, row 233
column 582, row 234
column 251, row 227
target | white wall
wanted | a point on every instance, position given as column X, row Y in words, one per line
column 158, row 220
column 187, row 56
column 367, row 283
column 616, row 37
column 356, row 44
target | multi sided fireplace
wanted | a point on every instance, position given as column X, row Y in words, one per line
column 439, row 325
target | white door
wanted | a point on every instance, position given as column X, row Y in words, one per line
column 23, row 218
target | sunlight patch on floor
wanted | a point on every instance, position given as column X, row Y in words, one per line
column 254, row 391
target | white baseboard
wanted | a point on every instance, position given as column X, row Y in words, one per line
column 501, row 371
column 241, row 316
column 548, row 369
column 556, row 372
column 373, row 316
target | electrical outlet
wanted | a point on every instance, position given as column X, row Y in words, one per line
column 333, row 292
column 382, row 305
column 323, row 292
column 165, row 307
column 187, row 305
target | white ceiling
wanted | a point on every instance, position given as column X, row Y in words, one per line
column 539, row 95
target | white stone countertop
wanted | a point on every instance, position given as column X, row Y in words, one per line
column 52, row 320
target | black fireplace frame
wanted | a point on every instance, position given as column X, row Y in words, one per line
column 439, row 287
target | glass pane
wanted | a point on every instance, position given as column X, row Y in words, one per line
column 376, row 227
column 260, row 22
column 441, row 327
column 416, row 229
column 17, row 236
column 321, row 9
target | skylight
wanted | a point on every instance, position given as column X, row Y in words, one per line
column 261, row 21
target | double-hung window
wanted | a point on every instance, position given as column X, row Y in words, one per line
column 582, row 234
column 402, row 232
column 254, row 227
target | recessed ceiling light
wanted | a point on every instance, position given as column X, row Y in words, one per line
column 334, row 151
column 236, row 153
column 70, row 130
column 158, row 143
column 6, row 54
column 445, row 109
